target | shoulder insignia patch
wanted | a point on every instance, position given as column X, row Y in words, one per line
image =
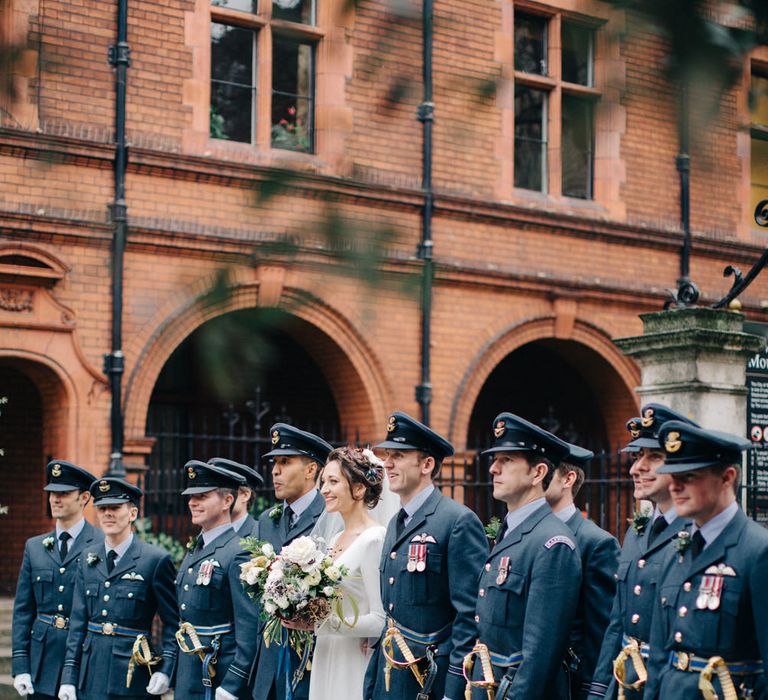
column 559, row 539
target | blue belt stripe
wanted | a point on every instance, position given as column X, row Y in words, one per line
column 698, row 663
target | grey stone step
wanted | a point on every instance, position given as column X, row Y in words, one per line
column 7, row 691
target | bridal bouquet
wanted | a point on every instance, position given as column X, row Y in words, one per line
column 301, row 586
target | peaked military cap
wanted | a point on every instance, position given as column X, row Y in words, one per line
column 690, row 447
column 202, row 477
column 252, row 477
column 406, row 433
column 514, row 434
column 644, row 429
column 288, row 440
column 65, row 476
column 112, row 491
column 578, row 456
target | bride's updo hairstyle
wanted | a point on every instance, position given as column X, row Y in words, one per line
column 361, row 466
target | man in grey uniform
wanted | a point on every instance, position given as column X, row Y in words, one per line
column 599, row 558
column 709, row 634
column 243, row 522
column 120, row 586
column 432, row 551
column 641, row 556
column 529, row 584
column 46, row 583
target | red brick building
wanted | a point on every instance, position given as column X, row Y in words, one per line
column 555, row 223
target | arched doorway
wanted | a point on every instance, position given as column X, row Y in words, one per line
column 226, row 383
column 573, row 391
column 32, row 429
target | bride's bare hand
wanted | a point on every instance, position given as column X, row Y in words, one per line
column 296, row 625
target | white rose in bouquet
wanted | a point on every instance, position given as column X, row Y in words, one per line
column 302, row 551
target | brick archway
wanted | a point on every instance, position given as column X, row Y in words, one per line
column 351, row 367
column 625, row 374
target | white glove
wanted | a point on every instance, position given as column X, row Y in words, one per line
column 23, row 684
column 222, row 694
column 67, row 692
column 158, row 684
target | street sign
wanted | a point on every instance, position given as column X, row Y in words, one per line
column 756, row 478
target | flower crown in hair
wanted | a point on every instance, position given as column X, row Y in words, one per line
column 375, row 471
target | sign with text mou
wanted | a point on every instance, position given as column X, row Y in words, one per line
column 757, row 429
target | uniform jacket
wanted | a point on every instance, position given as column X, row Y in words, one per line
column 737, row 629
column 441, row 596
column 637, row 578
column 529, row 608
column 249, row 528
column 264, row 673
column 46, row 585
column 140, row 585
column 219, row 601
column 599, row 560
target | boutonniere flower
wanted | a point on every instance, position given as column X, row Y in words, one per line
column 48, row 542
column 492, row 529
column 192, row 542
column 92, row 559
column 639, row 521
column 682, row 542
column 276, row 513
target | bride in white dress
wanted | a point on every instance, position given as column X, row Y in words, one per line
column 352, row 482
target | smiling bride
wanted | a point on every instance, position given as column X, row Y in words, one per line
column 351, row 485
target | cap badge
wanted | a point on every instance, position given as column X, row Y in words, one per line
column 647, row 419
column 275, row 437
column 191, row 473
column 103, row 486
column 673, row 442
column 392, row 424
column 500, row 428
column 56, row 471
column 634, row 429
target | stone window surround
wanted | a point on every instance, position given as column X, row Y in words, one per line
column 609, row 113
column 333, row 65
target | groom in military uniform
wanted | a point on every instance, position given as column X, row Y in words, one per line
column 46, row 583
column 432, row 551
column 645, row 543
column 529, row 585
column 298, row 457
column 710, row 628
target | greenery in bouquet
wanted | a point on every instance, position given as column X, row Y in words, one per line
column 300, row 586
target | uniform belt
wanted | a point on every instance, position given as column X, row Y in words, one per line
column 421, row 637
column 58, row 621
column 203, row 631
column 684, row 661
column 645, row 648
column 109, row 629
column 510, row 660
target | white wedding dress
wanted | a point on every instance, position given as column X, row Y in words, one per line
column 339, row 662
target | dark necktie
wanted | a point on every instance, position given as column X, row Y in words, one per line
column 64, row 538
column 697, row 543
column 400, row 524
column 199, row 543
column 111, row 556
column 502, row 531
column 288, row 515
column 659, row 525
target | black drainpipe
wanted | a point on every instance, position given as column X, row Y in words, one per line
column 687, row 291
column 114, row 362
column 426, row 117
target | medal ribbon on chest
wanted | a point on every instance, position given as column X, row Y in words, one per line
column 503, row 570
column 417, row 557
column 205, row 572
column 710, row 592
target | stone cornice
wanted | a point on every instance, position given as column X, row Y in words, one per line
column 176, row 166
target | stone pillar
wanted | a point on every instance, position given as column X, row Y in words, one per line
column 694, row 361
